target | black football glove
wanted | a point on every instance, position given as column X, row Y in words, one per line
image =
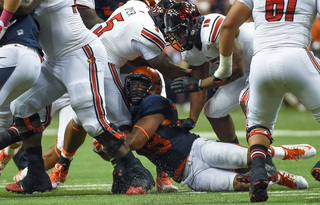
column 187, row 124
column 185, row 85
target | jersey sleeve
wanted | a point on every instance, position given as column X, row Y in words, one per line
column 214, row 24
column 248, row 3
column 152, row 38
column 154, row 104
column 86, row 4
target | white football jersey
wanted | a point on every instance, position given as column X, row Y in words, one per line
column 62, row 29
column 292, row 19
column 209, row 35
column 87, row 3
column 131, row 22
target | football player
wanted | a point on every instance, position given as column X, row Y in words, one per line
column 196, row 37
column 148, row 41
column 281, row 63
column 204, row 165
column 75, row 64
column 20, row 64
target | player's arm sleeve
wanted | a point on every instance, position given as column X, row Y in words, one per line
column 150, row 42
column 147, row 52
column 89, row 4
column 248, row 3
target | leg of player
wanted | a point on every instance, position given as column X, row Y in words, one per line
column 258, row 146
column 74, row 138
column 224, row 129
column 51, row 157
column 37, row 179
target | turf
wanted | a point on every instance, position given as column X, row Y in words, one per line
column 90, row 179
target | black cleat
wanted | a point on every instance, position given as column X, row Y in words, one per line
column 31, row 183
column 315, row 171
column 258, row 185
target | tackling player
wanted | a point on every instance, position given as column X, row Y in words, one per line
column 149, row 45
column 204, row 165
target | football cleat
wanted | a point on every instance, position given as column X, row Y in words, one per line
column 20, row 175
column 164, row 184
column 271, row 169
column 31, row 183
column 299, row 151
column 292, row 181
column 258, row 185
column 5, row 156
column 131, row 178
column 135, row 190
column 58, row 175
column 315, row 172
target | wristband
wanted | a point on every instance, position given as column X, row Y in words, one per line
column 199, row 84
column 225, row 67
column 6, row 17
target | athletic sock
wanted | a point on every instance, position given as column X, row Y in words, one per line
column 35, row 160
column 258, row 154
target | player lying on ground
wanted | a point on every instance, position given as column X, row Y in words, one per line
column 204, row 165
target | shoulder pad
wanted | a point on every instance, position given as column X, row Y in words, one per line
column 154, row 104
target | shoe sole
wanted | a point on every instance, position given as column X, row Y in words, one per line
column 167, row 189
column 259, row 192
column 15, row 188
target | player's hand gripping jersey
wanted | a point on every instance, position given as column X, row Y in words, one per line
column 169, row 141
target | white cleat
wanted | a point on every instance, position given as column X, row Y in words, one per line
column 164, row 184
column 21, row 174
column 298, row 151
column 292, row 181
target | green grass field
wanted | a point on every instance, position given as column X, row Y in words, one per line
column 90, row 178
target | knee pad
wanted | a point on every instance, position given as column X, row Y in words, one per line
column 29, row 126
column 259, row 130
column 111, row 139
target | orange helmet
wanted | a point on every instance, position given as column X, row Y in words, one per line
column 142, row 81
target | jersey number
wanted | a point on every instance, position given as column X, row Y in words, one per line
column 275, row 10
column 109, row 25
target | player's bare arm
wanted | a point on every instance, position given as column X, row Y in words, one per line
column 198, row 99
column 28, row 6
column 143, row 130
column 89, row 17
column 170, row 70
column 10, row 5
